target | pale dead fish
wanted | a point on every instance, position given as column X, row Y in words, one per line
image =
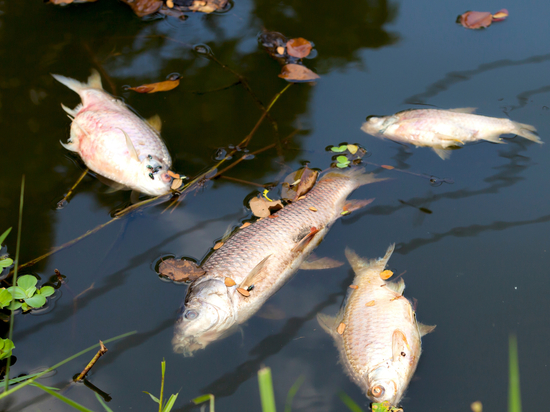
column 376, row 332
column 443, row 129
column 263, row 255
column 114, row 142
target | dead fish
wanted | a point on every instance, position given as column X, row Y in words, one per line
column 114, row 142
column 376, row 332
column 444, row 129
column 265, row 255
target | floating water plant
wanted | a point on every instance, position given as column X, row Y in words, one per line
column 26, row 295
column 343, row 162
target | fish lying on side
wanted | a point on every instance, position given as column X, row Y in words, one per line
column 376, row 331
column 258, row 259
column 114, row 142
column 444, row 129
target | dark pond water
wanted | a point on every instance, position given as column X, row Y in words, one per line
column 478, row 264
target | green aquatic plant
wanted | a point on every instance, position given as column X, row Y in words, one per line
column 26, row 295
column 5, row 261
column 167, row 407
column 514, row 391
column 343, row 162
column 6, row 346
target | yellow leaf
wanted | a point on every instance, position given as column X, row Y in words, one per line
column 352, row 148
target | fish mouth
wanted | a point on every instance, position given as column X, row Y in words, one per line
column 186, row 346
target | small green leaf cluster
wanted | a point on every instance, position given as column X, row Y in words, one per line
column 25, row 294
column 344, row 161
column 6, row 346
column 4, row 260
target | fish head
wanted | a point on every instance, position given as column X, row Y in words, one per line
column 377, row 125
column 205, row 316
column 385, row 384
column 153, row 178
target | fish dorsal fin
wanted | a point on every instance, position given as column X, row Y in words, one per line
column 425, row 329
column 469, row 110
column 155, row 122
column 94, row 81
column 399, row 346
column 130, row 145
column 398, row 286
column 314, row 263
column 442, row 153
column 253, row 275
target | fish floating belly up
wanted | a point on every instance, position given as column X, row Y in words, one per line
column 257, row 260
column 376, row 331
column 444, row 129
column 114, row 142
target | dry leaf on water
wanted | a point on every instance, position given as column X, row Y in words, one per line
column 157, row 87
column 299, row 47
column 298, row 183
column 180, row 270
column 144, row 7
column 296, row 73
column 262, row 207
column 480, row 19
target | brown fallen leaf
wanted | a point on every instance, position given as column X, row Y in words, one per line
column 245, row 224
column 204, row 6
column 480, row 19
column 299, row 47
column 354, row 286
column 229, row 282
column 313, row 209
column 262, row 207
column 218, row 245
column 341, row 328
column 176, row 184
column 296, row 73
column 144, row 7
column 298, row 183
column 180, row 270
column 280, row 50
column 243, row 292
column 371, row 303
column 386, row 274
column 387, row 167
column 157, row 87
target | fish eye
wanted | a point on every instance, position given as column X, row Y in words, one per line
column 377, row 391
column 190, row 314
column 166, row 177
column 151, row 176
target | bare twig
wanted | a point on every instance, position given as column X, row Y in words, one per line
column 246, row 182
column 102, row 351
column 62, row 202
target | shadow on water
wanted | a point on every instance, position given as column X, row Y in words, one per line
column 453, row 78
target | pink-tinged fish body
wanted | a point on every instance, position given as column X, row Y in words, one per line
column 376, row 332
column 263, row 255
column 114, row 142
column 444, row 129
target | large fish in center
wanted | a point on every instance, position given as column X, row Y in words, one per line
column 376, row 331
column 264, row 256
column 114, row 142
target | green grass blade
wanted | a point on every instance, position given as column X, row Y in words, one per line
column 514, row 392
column 170, row 403
column 62, row 398
column 57, row 365
column 102, row 402
column 204, row 398
column 163, row 369
column 350, row 403
column 266, row 389
column 19, row 379
column 14, row 282
column 292, row 392
column 4, row 235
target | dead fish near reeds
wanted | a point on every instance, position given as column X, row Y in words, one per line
column 444, row 129
column 114, row 142
column 258, row 259
column 376, row 331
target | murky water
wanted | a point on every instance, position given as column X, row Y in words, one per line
column 477, row 264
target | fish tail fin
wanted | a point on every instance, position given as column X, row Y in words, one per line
column 94, row 81
column 527, row 131
column 359, row 265
column 356, row 174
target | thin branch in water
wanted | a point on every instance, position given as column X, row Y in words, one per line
column 246, row 182
column 198, row 92
column 65, row 199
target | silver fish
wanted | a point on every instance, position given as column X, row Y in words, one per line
column 114, row 142
column 376, row 331
column 264, row 256
column 444, row 129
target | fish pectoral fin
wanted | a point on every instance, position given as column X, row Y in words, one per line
column 322, row 263
column 69, row 146
column 95, row 80
column 425, row 329
column 70, row 112
column 399, row 346
column 130, row 145
column 353, row 205
column 328, row 323
column 469, row 110
column 253, row 278
column 494, row 138
column 301, row 245
column 442, row 153
column 397, row 286
column 155, row 122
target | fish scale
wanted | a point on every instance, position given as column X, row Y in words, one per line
column 280, row 239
